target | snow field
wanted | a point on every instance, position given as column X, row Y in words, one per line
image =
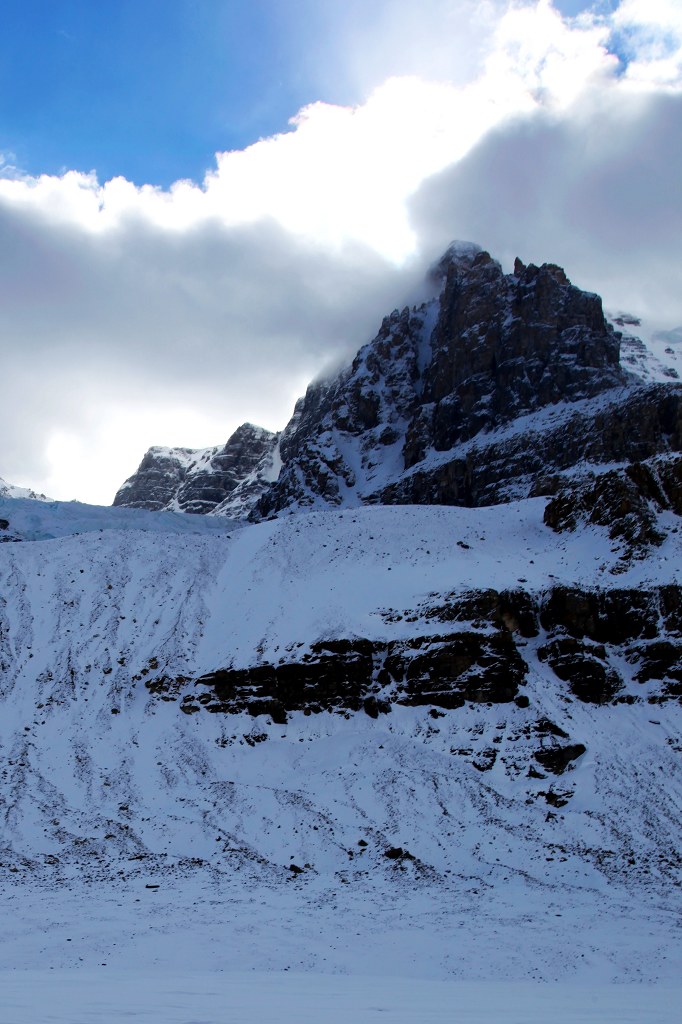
column 106, row 790
column 109, row 997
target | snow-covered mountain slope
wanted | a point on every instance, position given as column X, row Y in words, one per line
column 480, row 789
column 226, row 480
column 422, row 717
column 12, row 491
column 651, row 354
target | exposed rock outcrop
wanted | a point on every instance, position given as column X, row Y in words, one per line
column 485, row 394
column 557, row 759
column 625, row 500
column 157, row 480
column 539, row 454
column 348, row 675
column 226, row 480
column 587, row 635
column 501, row 387
column 583, row 667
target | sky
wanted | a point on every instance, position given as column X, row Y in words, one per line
column 205, row 204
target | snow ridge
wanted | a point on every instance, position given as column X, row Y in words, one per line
column 12, row 491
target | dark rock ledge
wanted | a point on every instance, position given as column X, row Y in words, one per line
column 582, row 635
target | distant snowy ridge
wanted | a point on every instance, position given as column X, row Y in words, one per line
column 651, row 355
column 11, row 491
column 223, row 480
column 24, row 519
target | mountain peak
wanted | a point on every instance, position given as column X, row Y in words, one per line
column 480, row 395
column 458, row 253
column 12, row 491
column 228, row 477
column 496, row 356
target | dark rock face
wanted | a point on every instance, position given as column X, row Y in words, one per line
column 506, row 345
column 157, row 480
column 605, row 616
column 583, row 667
column 642, row 626
column 347, row 675
column 557, row 759
column 629, row 424
column 512, row 610
column 660, row 659
column 487, row 663
column 484, row 394
column 334, row 675
column 446, row 672
column 207, row 488
column 625, row 500
column 227, row 480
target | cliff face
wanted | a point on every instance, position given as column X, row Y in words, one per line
column 500, row 387
column 155, row 483
column 482, row 395
column 506, row 345
column 226, row 480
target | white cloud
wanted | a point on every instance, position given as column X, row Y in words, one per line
column 596, row 195
column 135, row 316
column 651, row 37
column 137, row 335
column 589, row 177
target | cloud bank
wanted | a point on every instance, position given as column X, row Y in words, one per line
column 134, row 316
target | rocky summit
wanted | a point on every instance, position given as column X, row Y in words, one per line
column 501, row 386
column 225, row 480
column 493, row 390
column 12, row 491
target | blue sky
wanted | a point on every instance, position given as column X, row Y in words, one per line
column 145, row 88
column 151, row 89
column 133, row 316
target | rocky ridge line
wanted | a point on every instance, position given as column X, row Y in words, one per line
column 478, row 397
column 501, row 387
column 488, row 642
column 224, row 480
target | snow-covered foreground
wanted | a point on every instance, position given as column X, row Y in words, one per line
column 202, row 950
column 213, row 951
column 146, row 855
column 382, row 924
column 109, row 997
